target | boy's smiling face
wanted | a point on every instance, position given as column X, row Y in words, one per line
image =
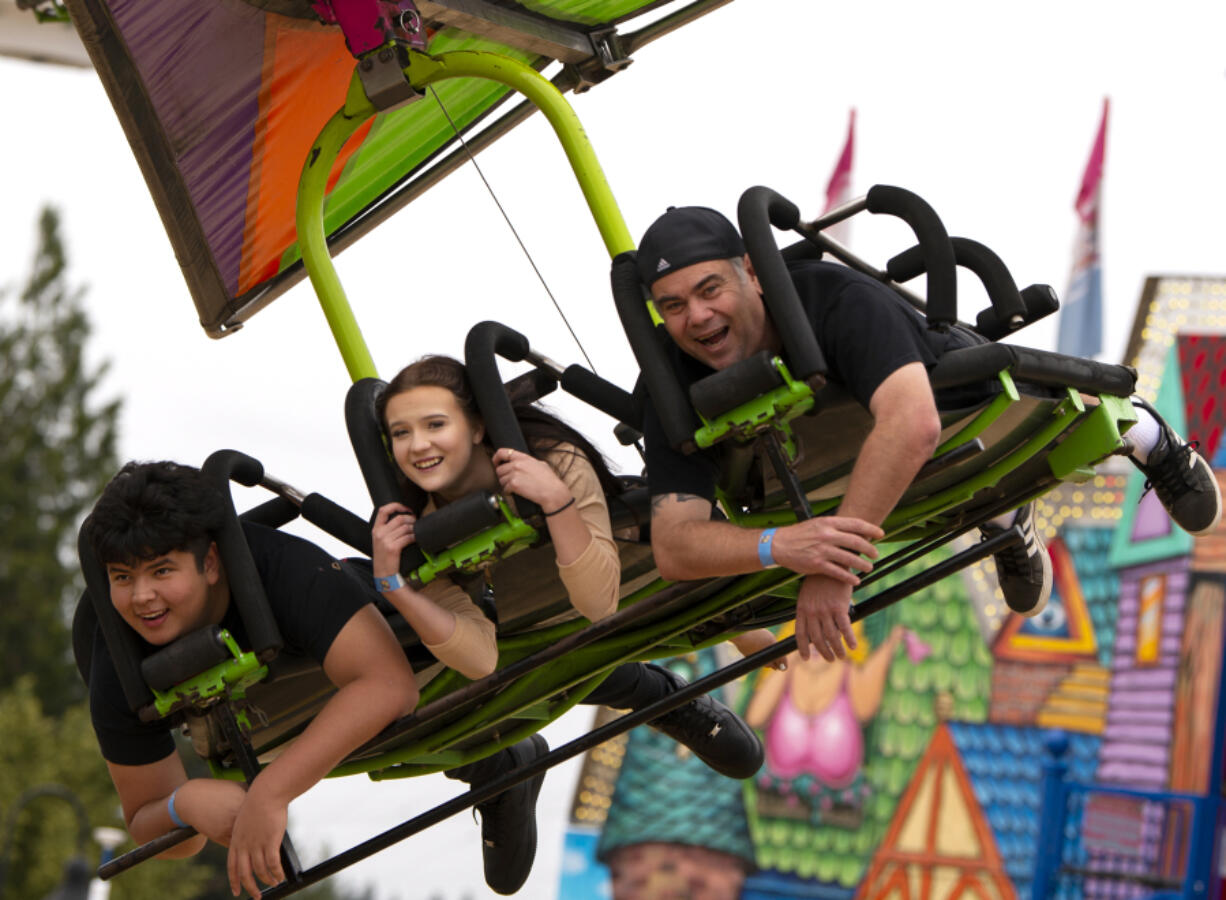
column 168, row 596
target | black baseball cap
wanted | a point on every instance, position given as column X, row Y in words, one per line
column 685, row 235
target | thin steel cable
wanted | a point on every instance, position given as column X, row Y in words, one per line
column 532, row 262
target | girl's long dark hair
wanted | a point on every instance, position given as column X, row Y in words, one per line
column 542, row 430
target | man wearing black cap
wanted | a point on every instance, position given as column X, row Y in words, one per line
column 879, row 349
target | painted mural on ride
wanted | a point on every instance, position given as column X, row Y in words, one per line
column 915, row 769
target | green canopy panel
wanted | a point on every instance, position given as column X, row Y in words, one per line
column 221, row 102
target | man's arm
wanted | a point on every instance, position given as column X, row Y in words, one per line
column 906, row 430
column 687, row 544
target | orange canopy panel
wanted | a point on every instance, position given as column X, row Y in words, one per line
column 222, row 99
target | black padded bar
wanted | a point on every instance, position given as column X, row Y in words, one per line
column 934, row 242
column 1040, row 300
column 971, row 364
column 382, row 479
column 272, row 513
column 729, row 388
column 465, row 517
column 1007, row 305
column 338, row 522
column 484, row 340
column 604, row 395
column 121, row 641
column 187, row 657
column 758, row 209
column 1008, row 312
column 672, row 408
column 531, row 386
column 246, row 589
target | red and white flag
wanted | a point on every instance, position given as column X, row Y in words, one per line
column 838, row 189
column 1081, row 314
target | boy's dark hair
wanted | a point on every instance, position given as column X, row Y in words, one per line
column 150, row 509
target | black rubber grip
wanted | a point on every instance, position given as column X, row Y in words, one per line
column 671, row 406
column 531, row 386
column 1040, row 300
column 337, row 521
column 938, row 252
column 729, row 388
column 604, row 395
column 758, row 209
column 456, row 521
column 234, row 465
column 187, row 657
column 383, row 480
column 272, row 513
column 246, row 589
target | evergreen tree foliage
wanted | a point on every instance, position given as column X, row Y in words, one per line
column 57, row 454
column 40, row 750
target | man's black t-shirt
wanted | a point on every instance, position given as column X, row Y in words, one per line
column 311, row 597
column 865, row 331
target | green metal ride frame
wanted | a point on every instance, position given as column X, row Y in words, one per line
column 424, row 70
column 1080, row 437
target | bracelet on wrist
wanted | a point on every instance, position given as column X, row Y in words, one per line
column 766, row 555
column 567, row 505
column 174, row 815
column 389, row 583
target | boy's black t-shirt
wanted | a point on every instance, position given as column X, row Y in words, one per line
column 311, row 597
column 865, row 331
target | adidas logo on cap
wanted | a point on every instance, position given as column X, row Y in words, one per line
column 663, row 264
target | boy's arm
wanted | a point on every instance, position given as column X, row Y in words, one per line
column 374, row 687
column 143, row 792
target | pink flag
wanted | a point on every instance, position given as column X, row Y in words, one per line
column 838, row 189
column 1081, row 314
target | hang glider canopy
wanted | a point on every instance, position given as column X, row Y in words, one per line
column 221, row 101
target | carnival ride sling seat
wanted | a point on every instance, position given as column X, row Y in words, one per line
column 215, row 134
column 788, row 438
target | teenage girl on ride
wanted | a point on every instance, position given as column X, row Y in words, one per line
column 439, row 443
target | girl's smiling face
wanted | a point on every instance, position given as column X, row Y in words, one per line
column 436, row 445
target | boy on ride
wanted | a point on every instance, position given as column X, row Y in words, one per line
column 154, row 532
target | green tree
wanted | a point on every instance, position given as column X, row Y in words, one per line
column 57, row 454
column 38, row 750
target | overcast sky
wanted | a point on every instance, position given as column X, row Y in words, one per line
column 988, row 111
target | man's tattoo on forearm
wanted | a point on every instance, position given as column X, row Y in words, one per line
column 659, row 500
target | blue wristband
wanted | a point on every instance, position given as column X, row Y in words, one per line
column 765, row 556
column 389, row 583
column 174, row 816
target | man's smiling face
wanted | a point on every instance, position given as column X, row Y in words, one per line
column 714, row 311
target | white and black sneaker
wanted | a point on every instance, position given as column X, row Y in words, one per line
column 1023, row 570
column 1184, row 482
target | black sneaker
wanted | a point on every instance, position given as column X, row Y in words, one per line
column 1183, row 482
column 1023, row 570
column 508, row 822
column 714, row 733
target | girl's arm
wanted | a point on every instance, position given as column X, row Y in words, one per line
column 565, row 486
column 449, row 624
column 592, row 576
